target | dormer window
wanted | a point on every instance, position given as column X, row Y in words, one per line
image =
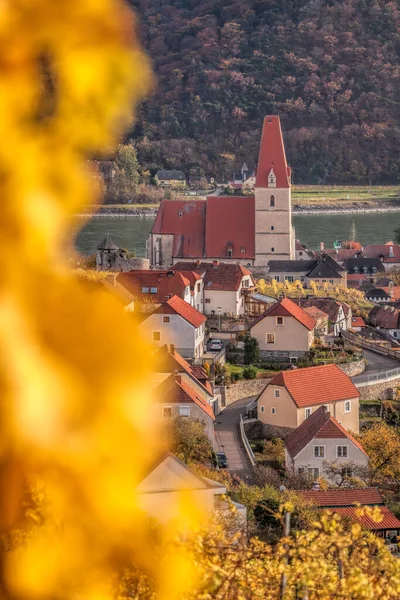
column 271, row 179
column 242, row 249
column 272, row 201
column 356, row 270
column 229, row 253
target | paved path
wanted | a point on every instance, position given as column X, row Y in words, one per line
column 229, row 439
column 377, row 363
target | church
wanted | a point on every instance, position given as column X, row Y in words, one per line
column 247, row 230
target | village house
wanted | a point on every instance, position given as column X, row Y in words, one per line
column 341, row 254
column 358, row 324
column 249, row 230
column 172, row 179
column 345, row 503
column 151, row 288
column 372, row 268
column 384, row 294
column 226, row 286
column 284, row 331
column 319, row 442
column 322, row 270
column 321, row 320
column 302, row 252
column 176, row 322
column 339, row 313
column 292, row 396
column 358, row 281
column 388, row 254
column 160, row 494
column 386, row 318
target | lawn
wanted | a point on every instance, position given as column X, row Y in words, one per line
column 326, row 194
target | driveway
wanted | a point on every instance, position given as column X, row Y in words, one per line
column 229, row 440
column 377, row 363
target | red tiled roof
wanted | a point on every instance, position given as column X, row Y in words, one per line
column 356, row 277
column 230, row 223
column 167, row 284
column 389, row 520
column 315, row 312
column 182, row 308
column 317, row 385
column 221, row 276
column 186, row 221
column 343, row 497
column 357, row 322
column 319, row 425
column 393, row 292
column 169, row 360
column 175, row 390
column 272, row 155
column 386, row 317
column 287, row 308
column 378, row 250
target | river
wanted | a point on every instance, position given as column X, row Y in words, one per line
column 131, row 233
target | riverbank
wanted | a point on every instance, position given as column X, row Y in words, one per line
column 297, row 209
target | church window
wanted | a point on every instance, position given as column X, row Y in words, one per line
column 272, row 249
column 229, row 253
column 272, row 201
column 272, row 228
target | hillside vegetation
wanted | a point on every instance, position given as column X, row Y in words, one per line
column 329, row 68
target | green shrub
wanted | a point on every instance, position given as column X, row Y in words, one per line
column 250, row 372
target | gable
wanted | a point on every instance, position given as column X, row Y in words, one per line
column 171, row 475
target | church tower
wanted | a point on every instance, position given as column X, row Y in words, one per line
column 273, row 219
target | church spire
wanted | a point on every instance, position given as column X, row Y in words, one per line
column 272, row 157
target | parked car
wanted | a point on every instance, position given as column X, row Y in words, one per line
column 220, row 460
column 216, row 345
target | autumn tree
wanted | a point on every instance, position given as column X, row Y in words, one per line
column 188, row 440
column 382, row 444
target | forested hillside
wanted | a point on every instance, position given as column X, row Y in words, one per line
column 329, row 68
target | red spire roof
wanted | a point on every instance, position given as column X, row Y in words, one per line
column 272, row 155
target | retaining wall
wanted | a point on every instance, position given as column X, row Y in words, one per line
column 353, row 368
column 384, row 390
column 242, row 389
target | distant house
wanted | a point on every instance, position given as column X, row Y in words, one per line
column 372, row 268
column 345, row 503
column 321, row 320
column 151, row 288
column 386, row 318
column 388, row 254
column 341, row 254
column 378, row 295
column 172, row 179
column 322, row 270
column 160, row 493
column 358, row 280
column 358, row 323
column 176, row 322
column 226, row 285
column 292, row 396
column 302, row 252
column 339, row 313
column 320, row 441
column 284, row 331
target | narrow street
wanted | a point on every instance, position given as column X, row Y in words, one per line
column 229, row 439
column 376, row 364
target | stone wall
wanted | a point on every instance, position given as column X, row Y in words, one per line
column 353, row 368
column 244, row 389
column 256, row 430
column 384, row 391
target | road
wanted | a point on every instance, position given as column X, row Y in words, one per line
column 376, row 364
column 229, row 439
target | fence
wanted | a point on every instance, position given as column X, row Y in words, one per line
column 381, row 376
column 359, row 341
column 246, row 444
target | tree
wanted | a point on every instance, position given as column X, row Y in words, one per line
column 251, row 350
column 382, row 444
column 188, row 440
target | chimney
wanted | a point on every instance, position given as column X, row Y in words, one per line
column 198, row 262
column 391, row 253
column 391, row 284
column 322, row 246
column 215, row 264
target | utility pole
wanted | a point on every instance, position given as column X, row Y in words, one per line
column 219, row 308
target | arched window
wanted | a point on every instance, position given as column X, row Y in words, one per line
column 272, row 201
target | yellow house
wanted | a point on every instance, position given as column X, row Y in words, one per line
column 172, row 179
column 292, row 396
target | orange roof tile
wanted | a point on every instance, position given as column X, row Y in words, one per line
column 183, row 309
column 357, row 322
column 287, row 308
column 169, row 360
column 343, row 497
column 176, row 390
column 317, row 385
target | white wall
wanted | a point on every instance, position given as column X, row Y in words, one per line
column 189, row 342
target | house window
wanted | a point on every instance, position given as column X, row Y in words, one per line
column 184, row 411
column 273, row 410
column 277, row 278
column 331, row 281
column 272, row 201
column 272, row 228
column 156, row 336
column 153, row 290
column 289, row 278
column 314, row 473
column 307, row 412
column 246, row 283
column 145, row 290
column 302, row 279
column 270, row 338
column 207, row 300
column 165, row 319
column 300, row 254
column 347, row 472
column 279, row 320
column 199, row 287
column 319, row 451
column 277, row 393
column 272, row 249
column 341, row 452
column 347, row 406
column 262, row 409
column 167, row 412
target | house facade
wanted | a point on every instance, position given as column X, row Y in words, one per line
column 284, row 331
column 292, row 396
column 388, row 254
column 172, row 179
column 372, row 268
column 322, row 270
column 176, row 322
column 152, row 288
column 225, row 286
column 319, row 442
column 386, row 318
column 248, row 230
column 339, row 313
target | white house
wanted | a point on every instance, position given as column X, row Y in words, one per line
column 319, row 442
column 226, row 286
column 176, row 322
